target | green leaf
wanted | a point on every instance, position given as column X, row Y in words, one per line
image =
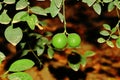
column 40, row 50
column 104, row 33
column 21, row 65
column 9, row 1
column 111, row 6
column 61, row 17
column 38, row 10
column 19, row 16
column 13, row 35
column 107, row 1
column 2, row 57
column 101, row 40
column 21, row 4
column 118, row 42
column 25, row 52
column 0, row 6
column 19, row 76
column 107, row 27
column 113, row 30
column 83, row 61
column 75, row 67
column 89, row 53
column 53, row 9
column 117, row 3
column 114, row 36
column 90, row 2
column 32, row 21
column 4, row 18
column 97, row 8
column 42, row 41
column 110, row 43
column 50, row 52
column 58, row 3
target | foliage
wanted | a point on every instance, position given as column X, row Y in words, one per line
column 36, row 43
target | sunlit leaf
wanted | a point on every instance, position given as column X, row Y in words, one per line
column 113, row 30
column 58, row 3
column 110, row 43
column 19, row 76
column 4, row 18
column 118, row 42
column 117, row 3
column 19, row 16
column 101, row 40
column 89, row 53
column 111, row 6
column 21, row 65
column 0, row 6
column 21, row 4
column 2, row 56
column 83, row 61
column 104, row 33
column 107, row 27
column 38, row 10
column 97, row 8
column 40, row 50
column 9, row 1
column 50, row 52
column 13, row 35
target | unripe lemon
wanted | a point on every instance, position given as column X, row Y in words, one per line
column 59, row 40
column 74, row 40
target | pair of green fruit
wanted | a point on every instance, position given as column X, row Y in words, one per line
column 60, row 40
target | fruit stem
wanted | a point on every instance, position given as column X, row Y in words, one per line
column 64, row 20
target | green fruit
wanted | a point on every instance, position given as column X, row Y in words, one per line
column 59, row 40
column 74, row 40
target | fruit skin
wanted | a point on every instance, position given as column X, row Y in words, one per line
column 74, row 40
column 59, row 40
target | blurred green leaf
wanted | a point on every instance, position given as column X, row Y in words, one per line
column 114, row 36
column 0, row 6
column 61, row 17
column 13, row 35
column 40, row 50
column 4, row 18
column 111, row 6
column 104, row 33
column 117, row 3
column 97, row 8
column 25, row 52
column 19, row 76
column 113, row 30
column 9, row 1
column 75, row 67
column 118, row 42
column 38, row 10
column 21, row 65
column 89, row 53
column 110, row 43
column 21, row 4
column 101, row 40
column 50, row 52
column 107, row 27
column 58, row 3
column 83, row 61
column 19, row 16
column 2, row 57
column 89, row 2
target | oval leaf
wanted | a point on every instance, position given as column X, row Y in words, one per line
column 75, row 67
column 111, row 6
column 83, row 61
column 4, row 18
column 114, row 36
column 19, row 76
column 118, row 42
column 107, row 27
column 61, row 17
column 2, row 57
column 110, row 43
column 13, row 35
column 9, row 1
column 21, row 65
column 18, row 17
column 21, row 4
column 101, row 40
column 97, row 8
column 107, row 1
column 113, row 30
column 50, row 52
column 89, row 53
column 104, row 33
